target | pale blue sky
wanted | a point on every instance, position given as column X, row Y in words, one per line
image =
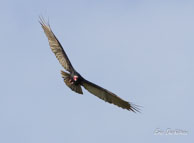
column 141, row 50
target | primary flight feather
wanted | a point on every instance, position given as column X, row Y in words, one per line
column 74, row 80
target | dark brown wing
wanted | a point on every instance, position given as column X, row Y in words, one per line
column 56, row 46
column 76, row 88
column 109, row 96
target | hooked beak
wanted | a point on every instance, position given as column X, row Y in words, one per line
column 75, row 78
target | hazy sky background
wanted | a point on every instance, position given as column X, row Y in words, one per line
column 141, row 50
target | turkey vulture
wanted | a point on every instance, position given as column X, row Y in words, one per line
column 74, row 80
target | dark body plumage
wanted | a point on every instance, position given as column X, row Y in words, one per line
column 74, row 80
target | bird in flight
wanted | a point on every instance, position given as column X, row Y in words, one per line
column 74, row 80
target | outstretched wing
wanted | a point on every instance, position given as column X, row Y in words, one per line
column 56, row 46
column 109, row 96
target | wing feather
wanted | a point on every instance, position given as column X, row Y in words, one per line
column 109, row 96
column 56, row 47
